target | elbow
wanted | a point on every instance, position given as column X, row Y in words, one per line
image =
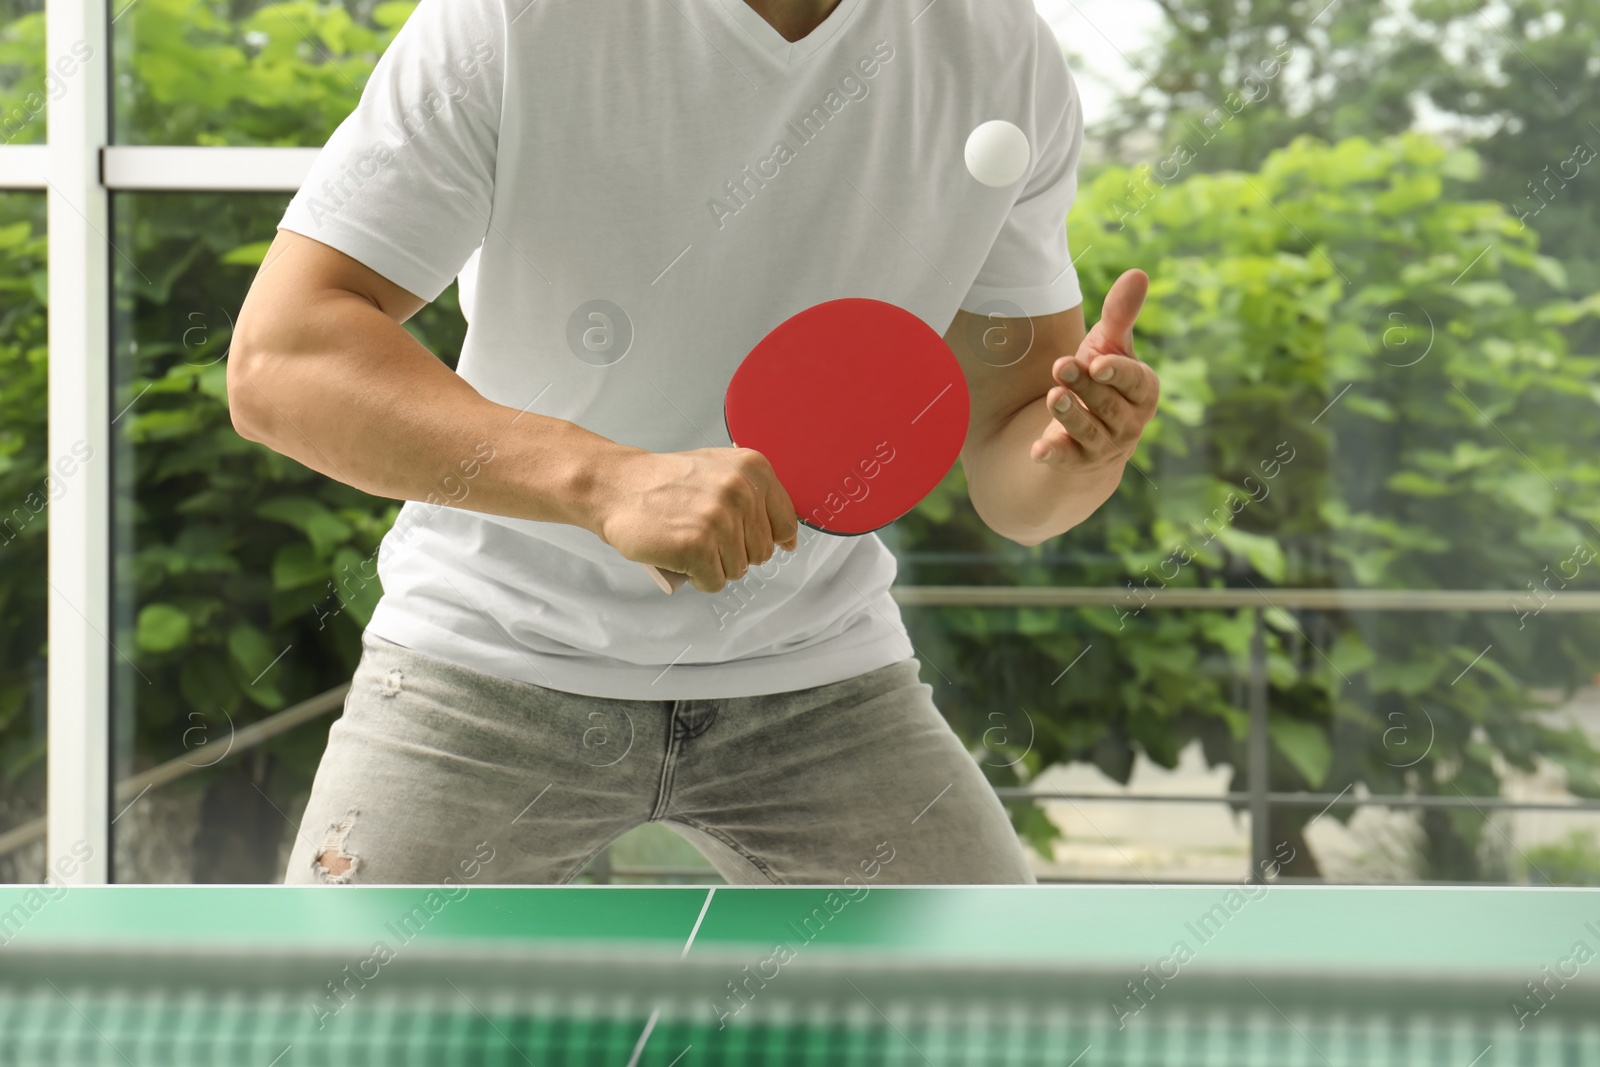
column 1006, row 526
column 1029, row 539
column 244, row 396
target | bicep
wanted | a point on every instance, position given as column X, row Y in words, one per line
column 1008, row 362
column 301, row 301
column 298, row 270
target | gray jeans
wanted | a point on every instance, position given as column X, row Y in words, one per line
column 437, row 772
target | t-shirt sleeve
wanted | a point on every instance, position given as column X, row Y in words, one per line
column 406, row 183
column 1030, row 265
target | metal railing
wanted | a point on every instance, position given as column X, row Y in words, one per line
column 243, row 740
column 1258, row 797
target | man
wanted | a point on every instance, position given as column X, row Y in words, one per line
column 633, row 192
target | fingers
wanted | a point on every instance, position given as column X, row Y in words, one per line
column 1121, row 310
column 740, row 542
column 1090, row 438
column 711, row 578
column 749, row 516
column 1056, row 446
column 1107, row 408
column 1099, row 375
column 782, row 523
column 758, row 518
column 785, row 520
column 758, row 541
column 1111, row 394
column 735, row 560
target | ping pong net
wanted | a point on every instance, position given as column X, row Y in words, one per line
column 642, row 1006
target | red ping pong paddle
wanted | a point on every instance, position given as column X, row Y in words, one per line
column 860, row 407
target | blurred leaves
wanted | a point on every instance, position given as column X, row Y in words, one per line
column 161, row 628
column 246, row 578
column 1358, row 334
column 1340, row 409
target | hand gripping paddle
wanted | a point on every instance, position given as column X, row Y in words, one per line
column 860, row 407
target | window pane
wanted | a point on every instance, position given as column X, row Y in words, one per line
column 225, row 560
column 1375, row 327
column 25, row 489
column 25, row 89
column 1374, row 323
column 194, row 72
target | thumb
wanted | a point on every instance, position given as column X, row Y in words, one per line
column 1121, row 310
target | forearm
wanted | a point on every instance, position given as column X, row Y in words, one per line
column 347, row 391
column 1030, row 502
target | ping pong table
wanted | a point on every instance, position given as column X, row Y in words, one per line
column 1223, row 976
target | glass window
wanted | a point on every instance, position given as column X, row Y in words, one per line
column 25, row 87
column 198, row 72
column 1373, row 317
column 1364, row 517
column 229, row 597
column 26, row 487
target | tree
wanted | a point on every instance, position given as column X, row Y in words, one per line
column 1516, row 79
column 1316, row 431
column 1274, row 287
column 227, row 552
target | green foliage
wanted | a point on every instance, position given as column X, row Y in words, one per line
column 1520, row 77
column 1353, row 397
column 23, row 495
column 1369, row 381
column 244, row 579
column 1574, row 860
column 283, row 74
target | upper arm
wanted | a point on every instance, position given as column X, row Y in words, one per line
column 406, row 183
column 299, row 273
column 1009, row 362
column 298, row 269
column 286, row 309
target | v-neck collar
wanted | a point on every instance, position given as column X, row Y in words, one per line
column 760, row 31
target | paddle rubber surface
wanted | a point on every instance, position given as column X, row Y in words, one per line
column 860, row 407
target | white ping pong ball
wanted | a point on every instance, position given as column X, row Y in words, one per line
column 998, row 154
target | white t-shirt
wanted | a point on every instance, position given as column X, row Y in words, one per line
column 634, row 192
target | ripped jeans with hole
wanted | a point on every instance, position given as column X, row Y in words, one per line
column 434, row 766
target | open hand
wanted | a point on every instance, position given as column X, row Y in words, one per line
column 1104, row 396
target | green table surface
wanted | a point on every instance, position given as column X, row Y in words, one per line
column 1367, row 929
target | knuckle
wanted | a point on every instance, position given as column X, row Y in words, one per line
column 750, row 458
column 732, row 488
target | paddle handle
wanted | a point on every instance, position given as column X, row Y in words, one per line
column 669, row 581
